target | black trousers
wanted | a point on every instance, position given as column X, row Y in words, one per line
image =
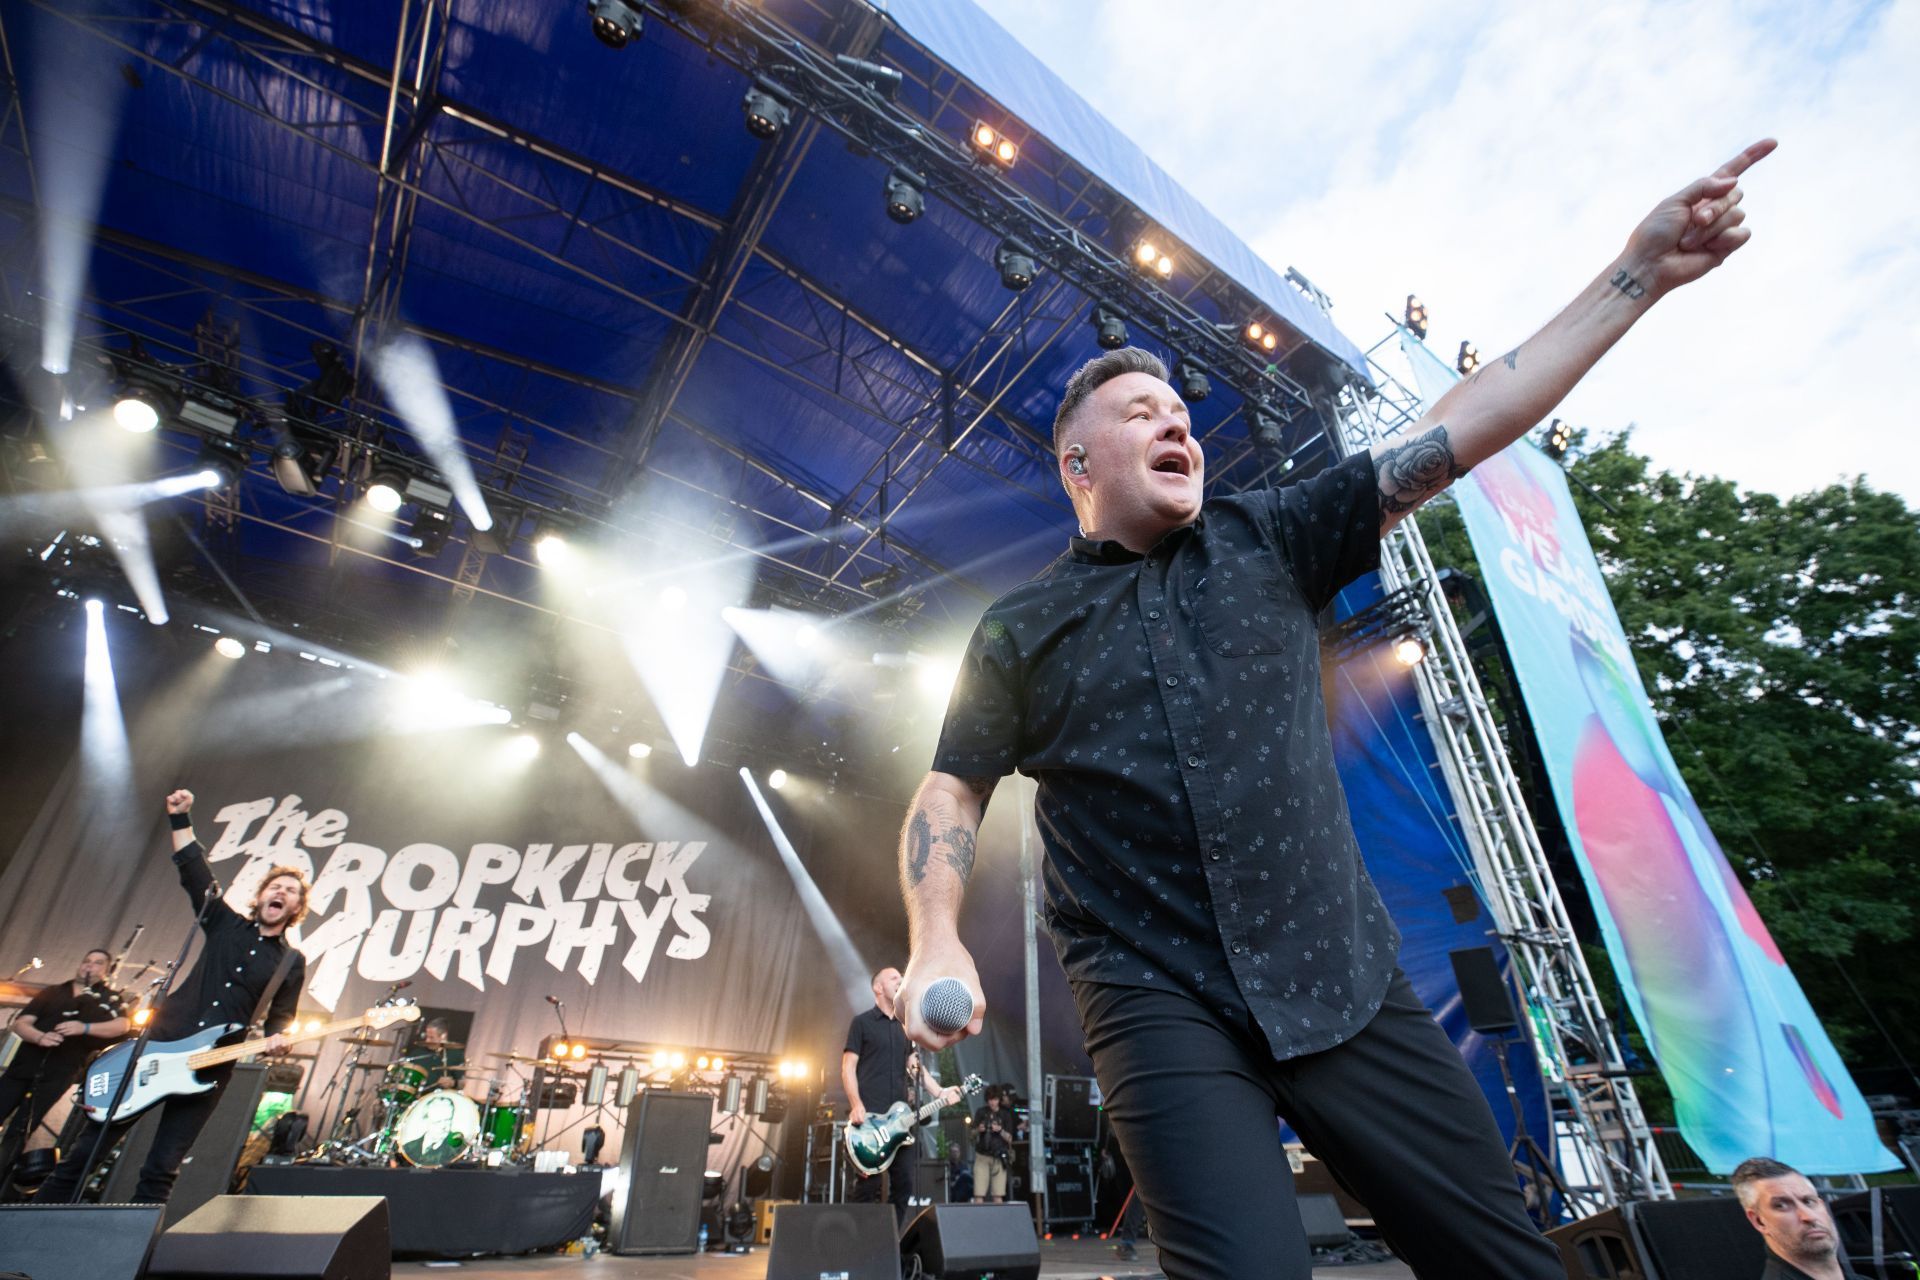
column 1393, row 1113
column 899, row 1189
column 181, row 1119
column 22, row 1105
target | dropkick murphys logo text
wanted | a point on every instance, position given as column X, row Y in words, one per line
column 387, row 916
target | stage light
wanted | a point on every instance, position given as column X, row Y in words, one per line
column 593, row 1138
column 1015, row 262
column 700, row 1063
column 1191, row 380
column 673, row 599
column 576, row 1051
column 628, row 1086
column 550, row 546
column 1416, row 317
column 384, row 490
column 1409, row 651
column 559, row 1050
column 1468, row 360
column 719, row 1063
column 1152, row 260
column 616, row 23
column 220, row 465
column 777, row 779
column 994, row 145
column 431, row 528
column 1265, row 428
column 290, row 469
column 137, row 410
column 906, row 195
column 1559, row 439
column 882, row 81
column 141, row 1017
column 677, row 1060
column 766, row 109
column 1261, row 337
column 639, row 750
column 1109, row 327
column 730, row 1096
column 935, row 676
column 228, row 647
column 523, row 746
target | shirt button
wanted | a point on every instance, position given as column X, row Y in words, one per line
column 1215, row 855
column 1193, row 762
column 1172, row 681
column 229, row 984
column 1154, row 614
column 1236, row 948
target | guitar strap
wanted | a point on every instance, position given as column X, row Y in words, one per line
column 273, row 987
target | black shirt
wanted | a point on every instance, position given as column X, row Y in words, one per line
column 233, row 970
column 55, row 1067
column 1169, row 707
column 1778, row 1268
column 993, row 1132
column 445, row 1061
column 881, row 1072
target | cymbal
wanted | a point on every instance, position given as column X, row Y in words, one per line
column 516, row 1057
column 368, row 1042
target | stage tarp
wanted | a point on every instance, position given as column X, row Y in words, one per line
column 1751, row 1070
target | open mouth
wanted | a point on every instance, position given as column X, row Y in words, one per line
column 1174, row 464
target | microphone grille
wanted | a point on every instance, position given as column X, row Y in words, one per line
column 947, row 1006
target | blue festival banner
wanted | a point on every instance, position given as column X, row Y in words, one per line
column 1751, row 1070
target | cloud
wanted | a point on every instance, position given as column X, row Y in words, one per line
column 1493, row 161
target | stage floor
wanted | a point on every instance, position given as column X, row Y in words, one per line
column 1059, row 1260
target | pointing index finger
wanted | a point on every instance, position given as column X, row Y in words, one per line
column 1747, row 159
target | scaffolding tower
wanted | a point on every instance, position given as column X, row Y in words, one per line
column 1605, row 1146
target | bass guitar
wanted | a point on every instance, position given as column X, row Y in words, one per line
column 171, row 1067
column 874, row 1142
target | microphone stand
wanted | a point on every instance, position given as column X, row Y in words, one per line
column 140, row 1045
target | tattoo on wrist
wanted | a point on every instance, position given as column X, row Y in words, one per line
column 1511, row 359
column 919, row 846
column 1628, row 285
column 1411, row 472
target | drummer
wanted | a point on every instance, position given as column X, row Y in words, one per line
column 445, row 1063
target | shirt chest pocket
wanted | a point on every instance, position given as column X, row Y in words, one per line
column 1248, row 606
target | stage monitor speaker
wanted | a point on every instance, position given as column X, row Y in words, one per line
column 208, row 1169
column 1483, row 990
column 984, row 1241
column 664, row 1157
column 1325, row 1224
column 1071, row 1115
column 1663, row 1240
column 312, row 1237
column 78, row 1241
column 930, row 1180
column 842, row 1241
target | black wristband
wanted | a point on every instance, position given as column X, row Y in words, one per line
column 179, row 821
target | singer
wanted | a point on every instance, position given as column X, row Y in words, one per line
column 1160, row 683
column 246, row 962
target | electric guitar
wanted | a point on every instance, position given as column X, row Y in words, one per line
column 874, row 1142
column 171, row 1067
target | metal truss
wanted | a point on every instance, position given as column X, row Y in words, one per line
column 1599, row 1114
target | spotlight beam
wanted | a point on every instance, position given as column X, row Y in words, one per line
column 407, row 373
column 847, row 962
column 106, row 761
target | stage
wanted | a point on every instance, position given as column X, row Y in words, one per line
column 1059, row 1260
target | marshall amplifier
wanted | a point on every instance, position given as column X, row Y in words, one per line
column 664, row 1160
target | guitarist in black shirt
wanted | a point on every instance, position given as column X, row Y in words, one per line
column 242, row 955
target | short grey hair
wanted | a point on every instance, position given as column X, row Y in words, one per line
column 1757, row 1169
column 1095, row 373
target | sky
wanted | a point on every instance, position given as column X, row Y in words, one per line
column 1492, row 158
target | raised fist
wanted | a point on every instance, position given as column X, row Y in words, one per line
column 180, row 801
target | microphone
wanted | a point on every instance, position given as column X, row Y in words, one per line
column 401, row 985
column 553, row 1000
column 946, row 1006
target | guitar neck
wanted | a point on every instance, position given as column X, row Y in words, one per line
column 233, row 1052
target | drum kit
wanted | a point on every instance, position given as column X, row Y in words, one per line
column 425, row 1126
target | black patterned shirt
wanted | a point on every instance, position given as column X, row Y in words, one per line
column 1169, row 708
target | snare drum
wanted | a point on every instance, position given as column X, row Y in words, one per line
column 438, row 1128
column 402, row 1083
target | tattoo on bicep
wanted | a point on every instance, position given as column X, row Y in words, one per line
column 919, row 846
column 960, row 845
column 981, row 786
column 1414, row 470
column 1628, row 285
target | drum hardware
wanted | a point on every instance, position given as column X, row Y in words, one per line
column 368, row 1042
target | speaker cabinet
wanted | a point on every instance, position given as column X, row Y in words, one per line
column 1899, row 1224
column 1663, row 1240
column 1483, row 991
column 664, row 1158
column 78, row 1241
column 208, row 1169
column 842, row 1241
column 972, row 1242
column 311, row 1237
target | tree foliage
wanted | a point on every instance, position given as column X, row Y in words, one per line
column 1779, row 640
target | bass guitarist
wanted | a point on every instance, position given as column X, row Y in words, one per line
column 879, row 1069
column 242, row 956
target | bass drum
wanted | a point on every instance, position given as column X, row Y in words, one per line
column 437, row 1128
